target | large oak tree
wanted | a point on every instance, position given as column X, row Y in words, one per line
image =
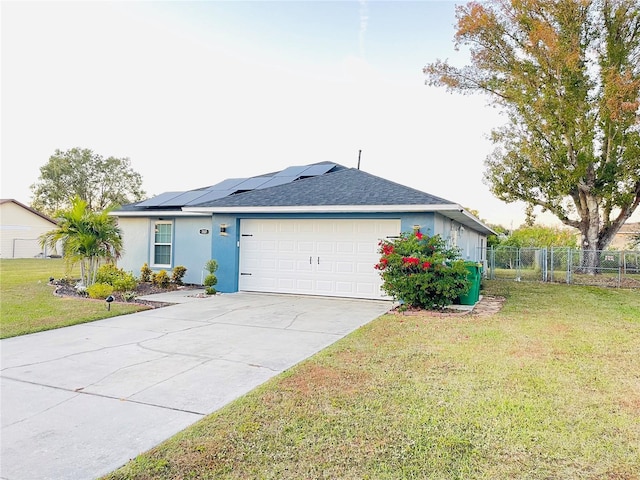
column 567, row 75
column 100, row 182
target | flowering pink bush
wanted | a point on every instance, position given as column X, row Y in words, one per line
column 422, row 271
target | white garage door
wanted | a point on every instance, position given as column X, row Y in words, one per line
column 314, row 257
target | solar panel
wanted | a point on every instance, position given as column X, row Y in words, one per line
column 227, row 184
column 210, row 196
column 314, row 170
column 275, row 181
column 251, row 183
column 184, row 199
column 292, row 171
column 159, row 199
column 233, row 185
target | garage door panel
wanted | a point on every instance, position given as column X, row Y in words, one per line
column 344, row 267
column 366, row 289
column 345, row 247
column 342, row 252
column 305, row 247
column 286, row 227
column 286, row 246
column 345, row 288
column 302, row 226
column 326, row 267
column 269, row 246
column 303, row 284
column 370, row 248
column 324, row 287
column 325, row 247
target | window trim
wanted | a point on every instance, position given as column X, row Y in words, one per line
column 154, row 244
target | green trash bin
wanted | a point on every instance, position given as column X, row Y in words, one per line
column 474, row 275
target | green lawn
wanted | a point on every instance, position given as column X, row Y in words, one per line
column 546, row 389
column 27, row 303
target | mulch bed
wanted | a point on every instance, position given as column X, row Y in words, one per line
column 67, row 289
column 487, row 306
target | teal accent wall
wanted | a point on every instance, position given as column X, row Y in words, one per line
column 226, row 252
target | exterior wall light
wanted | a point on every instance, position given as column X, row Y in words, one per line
column 223, row 229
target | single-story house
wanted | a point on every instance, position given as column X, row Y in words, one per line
column 624, row 238
column 309, row 229
column 20, row 230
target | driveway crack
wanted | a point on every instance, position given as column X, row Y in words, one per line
column 111, row 397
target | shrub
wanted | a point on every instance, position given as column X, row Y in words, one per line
column 81, row 288
column 211, row 266
column 116, row 277
column 145, row 273
column 160, row 279
column 422, row 271
column 178, row 274
column 210, row 280
column 106, row 273
column 128, row 296
column 100, row 290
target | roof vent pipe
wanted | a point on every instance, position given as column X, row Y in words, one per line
column 359, row 153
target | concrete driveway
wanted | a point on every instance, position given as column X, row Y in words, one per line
column 81, row 401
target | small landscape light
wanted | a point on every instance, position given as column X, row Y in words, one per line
column 109, row 299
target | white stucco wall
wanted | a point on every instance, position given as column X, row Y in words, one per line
column 135, row 241
column 20, row 230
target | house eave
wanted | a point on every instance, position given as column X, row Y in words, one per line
column 324, row 208
column 159, row 213
column 449, row 210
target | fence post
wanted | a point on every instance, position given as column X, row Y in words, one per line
column 569, row 265
column 492, row 264
column 620, row 260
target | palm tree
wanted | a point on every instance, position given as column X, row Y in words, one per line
column 87, row 237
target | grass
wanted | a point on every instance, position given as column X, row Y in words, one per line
column 546, row 389
column 27, row 303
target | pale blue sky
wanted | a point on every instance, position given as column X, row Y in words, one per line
column 195, row 92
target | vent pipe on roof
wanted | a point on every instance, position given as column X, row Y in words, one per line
column 359, row 153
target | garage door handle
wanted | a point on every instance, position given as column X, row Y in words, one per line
column 318, row 260
column 309, row 260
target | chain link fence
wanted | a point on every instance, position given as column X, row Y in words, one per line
column 617, row 268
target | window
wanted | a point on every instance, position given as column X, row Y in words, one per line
column 162, row 243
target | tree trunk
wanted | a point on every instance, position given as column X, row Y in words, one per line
column 590, row 233
column 590, row 256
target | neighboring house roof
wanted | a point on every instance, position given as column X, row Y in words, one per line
column 20, row 204
column 322, row 187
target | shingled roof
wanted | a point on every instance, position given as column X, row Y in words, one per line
column 342, row 187
column 320, row 187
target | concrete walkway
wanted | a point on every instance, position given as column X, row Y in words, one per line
column 79, row 402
